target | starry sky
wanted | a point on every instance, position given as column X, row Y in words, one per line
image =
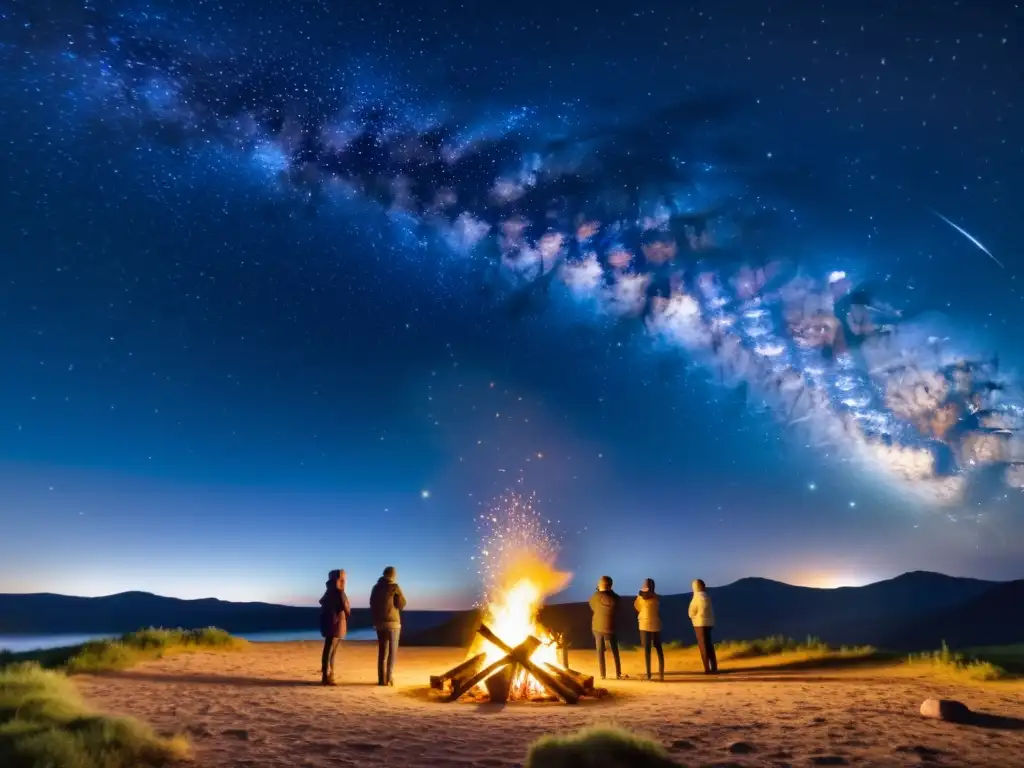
column 236, row 357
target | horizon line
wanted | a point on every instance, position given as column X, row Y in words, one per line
column 441, row 610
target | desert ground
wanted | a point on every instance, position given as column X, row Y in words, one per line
column 264, row 707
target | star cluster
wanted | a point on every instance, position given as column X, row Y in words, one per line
column 688, row 217
column 628, row 228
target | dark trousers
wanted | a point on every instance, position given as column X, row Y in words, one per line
column 707, row 649
column 327, row 660
column 387, row 649
column 611, row 641
column 652, row 640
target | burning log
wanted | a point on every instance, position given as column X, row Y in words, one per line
column 587, row 681
column 458, row 674
column 556, row 684
column 522, row 653
column 565, row 680
column 499, row 685
column 499, row 676
column 579, row 682
column 515, row 656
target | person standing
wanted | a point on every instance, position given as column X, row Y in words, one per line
column 603, row 604
column 334, row 615
column 703, row 617
column 386, row 605
column 649, row 617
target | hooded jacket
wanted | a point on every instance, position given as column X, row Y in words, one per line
column 701, row 612
column 603, row 604
column 334, row 612
column 648, row 616
column 386, row 604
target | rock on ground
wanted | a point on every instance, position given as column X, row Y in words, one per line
column 946, row 709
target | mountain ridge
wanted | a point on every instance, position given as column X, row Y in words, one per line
column 887, row 613
column 27, row 613
column 911, row 611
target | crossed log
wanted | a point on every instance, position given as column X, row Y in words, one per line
column 565, row 684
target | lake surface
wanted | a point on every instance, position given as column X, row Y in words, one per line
column 21, row 643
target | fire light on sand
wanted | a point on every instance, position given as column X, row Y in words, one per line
column 517, row 565
column 514, row 656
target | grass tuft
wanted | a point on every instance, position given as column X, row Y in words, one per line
column 146, row 644
column 127, row 650
column 45, row 724
column 772, row 646
column 778, row 652
column 597, row 748
column 958, row 665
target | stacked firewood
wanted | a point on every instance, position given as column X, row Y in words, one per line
column 566, row 685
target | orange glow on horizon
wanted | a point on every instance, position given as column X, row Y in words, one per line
column 828, row 579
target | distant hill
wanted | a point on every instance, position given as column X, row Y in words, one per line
column 46, row 613
column 914, row 611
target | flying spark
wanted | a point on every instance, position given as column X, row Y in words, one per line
column 970, row 237
column 511, row 528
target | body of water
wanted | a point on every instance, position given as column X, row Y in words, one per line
column 22, row 643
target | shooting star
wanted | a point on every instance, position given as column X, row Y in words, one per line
column 970, row 237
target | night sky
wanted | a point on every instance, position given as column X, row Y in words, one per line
column 244, row 341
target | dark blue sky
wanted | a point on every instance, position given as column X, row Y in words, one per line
column 220, row 381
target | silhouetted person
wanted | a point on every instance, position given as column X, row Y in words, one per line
column 603, row 604
column 703, row 617
column 334, row 614
column 386, row 605
column 649, row 617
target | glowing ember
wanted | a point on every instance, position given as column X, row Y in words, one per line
column 517, row 557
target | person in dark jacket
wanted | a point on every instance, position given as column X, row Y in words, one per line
column 603, row 604
column 649, row 619
column 334, row 614
column 386, row 605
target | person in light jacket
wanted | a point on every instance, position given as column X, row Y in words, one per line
column 386, row 605
column 603, row 604
column 646, row 604
column 334, row 615
column 703, row 617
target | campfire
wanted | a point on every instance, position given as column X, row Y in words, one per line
column 513, row 657
column 516, row 674
column 529, row 670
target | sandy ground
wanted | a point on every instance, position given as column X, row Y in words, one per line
column 264, row 707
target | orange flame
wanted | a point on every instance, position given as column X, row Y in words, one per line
column 511, row 612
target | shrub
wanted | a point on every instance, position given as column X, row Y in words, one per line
column 597, row 748
column 129, row 649
column 958, row 664
column 44, row 724
column 133, row 647
column 771, row 646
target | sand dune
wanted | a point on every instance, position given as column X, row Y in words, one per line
column 264, row 707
